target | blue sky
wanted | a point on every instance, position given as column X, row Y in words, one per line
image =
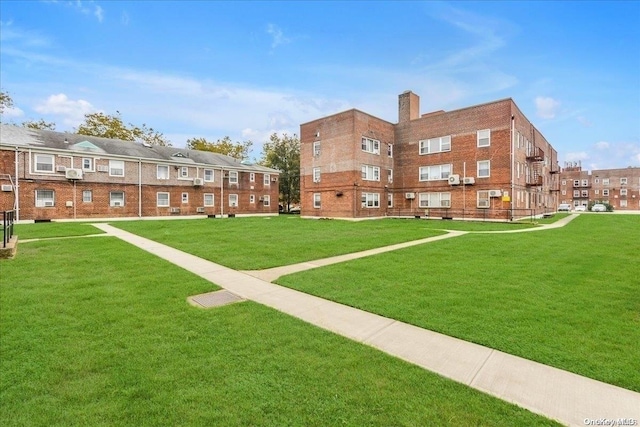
column 248, row 69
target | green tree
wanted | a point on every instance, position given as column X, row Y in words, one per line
column 5, row 101
column 39, row 124
column 107, row 126
column 237, row 150
column 283, row 153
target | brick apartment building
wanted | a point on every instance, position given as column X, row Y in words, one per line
column 484, row 161
column 618, row 187
column 48, row 175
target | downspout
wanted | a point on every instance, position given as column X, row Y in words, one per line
column 221, row 192
column 16, row 201
column 74, row 198
column 512, row 154
column 139, row 188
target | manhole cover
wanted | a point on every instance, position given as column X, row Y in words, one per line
column 214, row 299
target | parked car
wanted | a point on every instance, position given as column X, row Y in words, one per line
column 580, row 208
column 564, row 207
column 598, row 207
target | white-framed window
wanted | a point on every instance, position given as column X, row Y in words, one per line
column 45, row 198
column 597, row 180
column 605, row 192
column 390, row 150
column 185, row 198
column 162, row 199
column 389, row 175
column 576, row 203
column 370, row 200
column 184, row 172
column 623, row 181
column 623, row 191
column 116, row 198
column 576, row 183
column 435, row 145
column 87, row 164
column 267, row 179
column 87, row 196
column 370, row 173
column 44, row 162
column 596, row 191
column 370, row 145
column 585, row 182
column 605, row 181
column 209, row 199
column 564, row 182
column 434, row 173
column 116, row 168
column 576, row 193
column 484, row 138
column 233, row 200
column 484, row 168
column 266, row 200
column 483, row 199
column 585, row 193
column 434, row 200
column 162, row 172
column 390, row 200
column 252, row 177
column 623, row 203
column 317, row 203
column 208, row 175
column 316, row 174
column 316, row 148
column 564, row 192
column 233, row 177
column 252, row 198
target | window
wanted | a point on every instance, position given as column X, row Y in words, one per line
column 390, row 150
column 564, row 192
column 434, row 173
column 208, row 175
column 370, row 173
column 623, row 191
column 316, row 174
column 596, row 191
column 623, row 203
column 585, row 182
column 116, row 198
column 267, row 179
column 389, row 175
column 233, row 200
column 605, row 192
column 564, row 182
column 208, row 199
column 390, row 200
column 185, row 198
column 435, row 145
column 162, row 199
column 605, row 181
column 623, row 181
column 484, row 138
column 484, row 168
column 266, row 200
column 370, row 145
column 233, row 177
column 252, row 177
column 45, row 198
column 483, row 199
column 87, row 196
column 597, row 181
column 585, row 193
column 576, row 183
column 87, row 164
column 184, row 172
column 576, row 193
column 316, row 200
column 162, row 172
column 252, row 198
column 316, row 148
column 44, row 162
column 434, row 200
column 370, row 200
column 116, row 168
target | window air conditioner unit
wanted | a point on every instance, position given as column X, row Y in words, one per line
column 233, row 205
column 495, row 193
column 73, row 174
column 409, row 195
column 103, row 168
column 200, row 210
column 6, row 187
column 48, row 204
column 175, row 210
column 469, row 180
column 198, row 182
column 61, row 168
column 117, row 203
column 274, row 179
column 454, row 179
column 261, row 199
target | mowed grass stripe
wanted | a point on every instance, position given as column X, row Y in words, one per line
column 97, row 332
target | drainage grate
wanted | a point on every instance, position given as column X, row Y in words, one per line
column 214, row 299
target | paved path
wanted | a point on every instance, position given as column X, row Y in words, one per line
column 557, row 394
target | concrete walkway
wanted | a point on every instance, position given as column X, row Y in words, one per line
column 569, row 398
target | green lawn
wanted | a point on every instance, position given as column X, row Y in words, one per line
column 568, row 297
column 97, row 332
column 45, row 230
column 259, row 243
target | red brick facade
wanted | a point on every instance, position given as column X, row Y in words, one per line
column 416, row 164
column 618, row 187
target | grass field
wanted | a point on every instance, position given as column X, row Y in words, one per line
column 568, row 297
column 45, row 230
column 97, row 332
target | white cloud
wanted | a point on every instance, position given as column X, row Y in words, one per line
column 124, row 18
column 277, row 36
column 602, row 145
column 546, row 107
column 99, row 13
column 12, row 112
column 584, row 122
column 577, row 156
column 72, row 112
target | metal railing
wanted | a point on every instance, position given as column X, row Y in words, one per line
column 8, row 219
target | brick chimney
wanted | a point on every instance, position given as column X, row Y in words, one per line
column 408, row 106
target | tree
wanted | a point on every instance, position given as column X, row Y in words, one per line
column 106, row 126
column 283, row 153
column 39, row 124
column 237, row 150
column 5, row 101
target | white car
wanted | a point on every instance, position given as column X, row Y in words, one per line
column 598, row 207
column 580, row 208
column 564, row 207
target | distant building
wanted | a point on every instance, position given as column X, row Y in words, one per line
column 484, row 161
column 51, row 175
column 618, row 187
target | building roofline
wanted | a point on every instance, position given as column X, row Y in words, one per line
column 348, row 111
